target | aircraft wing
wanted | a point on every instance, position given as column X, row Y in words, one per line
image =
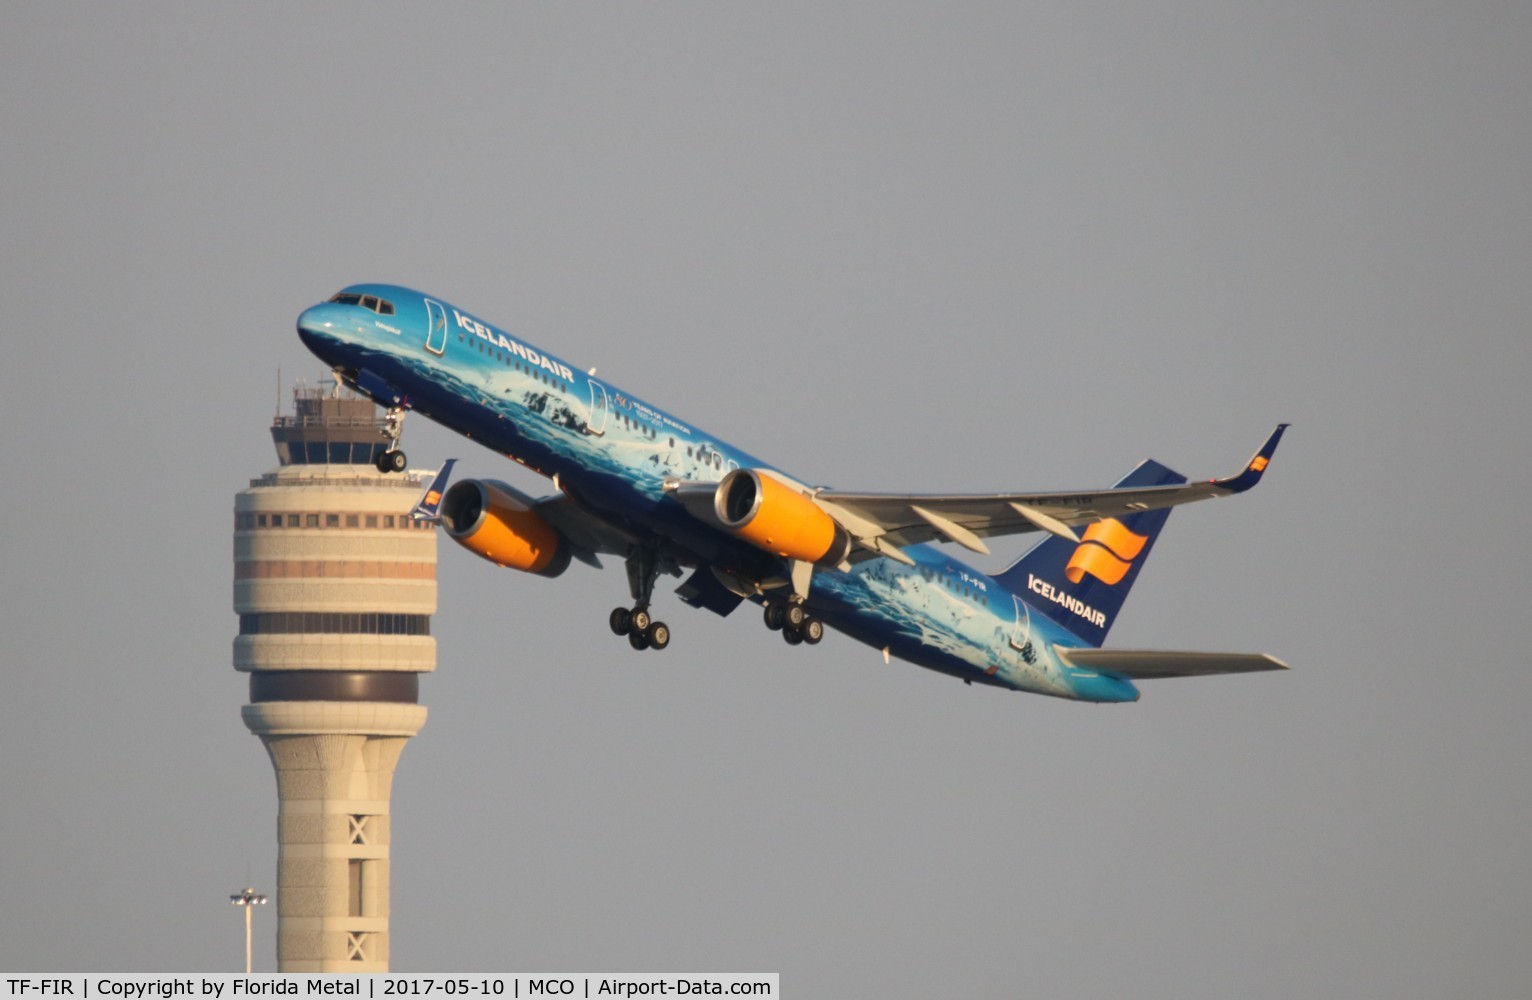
column 883, row 523
column 1143, row 664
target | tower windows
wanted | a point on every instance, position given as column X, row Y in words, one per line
column 333, row 623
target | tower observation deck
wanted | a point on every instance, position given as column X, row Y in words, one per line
column 334, row 586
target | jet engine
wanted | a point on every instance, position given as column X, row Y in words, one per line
column 499, row 523
column 777, row 518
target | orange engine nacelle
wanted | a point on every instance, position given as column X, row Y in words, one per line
column 497, row 522
column 773, row 516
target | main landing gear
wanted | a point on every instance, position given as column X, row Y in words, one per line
column 393, row 459
column 642, row 630
column 795, row 623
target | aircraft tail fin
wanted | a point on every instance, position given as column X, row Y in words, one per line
column 1082, row 585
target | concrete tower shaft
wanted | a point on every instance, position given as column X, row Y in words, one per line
column 334, row 586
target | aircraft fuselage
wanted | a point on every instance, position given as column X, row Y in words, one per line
column 613, row 453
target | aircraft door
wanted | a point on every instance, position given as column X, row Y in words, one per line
column 1021, row 631
column 598, row 408
column 436, row 331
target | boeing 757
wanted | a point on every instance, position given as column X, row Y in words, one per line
column 668, row 499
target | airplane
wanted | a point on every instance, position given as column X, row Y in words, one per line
column 667, row 498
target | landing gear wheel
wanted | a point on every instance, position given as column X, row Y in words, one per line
column 792, row 635
column 793, row 616
column 813, row 630
column 659, row 635
column 392, row 461
column 638, row 640
column 639, row 620
column 621, row 621
column 775, row 617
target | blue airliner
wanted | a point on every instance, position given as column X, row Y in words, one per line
column 636, row 483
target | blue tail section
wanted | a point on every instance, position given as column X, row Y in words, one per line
column 1081, row 586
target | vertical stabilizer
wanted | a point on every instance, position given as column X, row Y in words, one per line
column 1081, row 585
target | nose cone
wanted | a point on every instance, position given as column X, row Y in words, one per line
column 319, row 329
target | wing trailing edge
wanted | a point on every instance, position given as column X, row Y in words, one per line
column 895, row 520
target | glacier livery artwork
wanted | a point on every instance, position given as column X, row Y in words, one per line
column 634, row 483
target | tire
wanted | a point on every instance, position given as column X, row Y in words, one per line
column 638, row 640
column 774, row 617
column 793, row 636
column 659, row 635
column 793, row 616
column 813, row 631
column 621, row 621
column 640, row 620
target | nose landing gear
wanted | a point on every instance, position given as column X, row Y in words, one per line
column 392, row 460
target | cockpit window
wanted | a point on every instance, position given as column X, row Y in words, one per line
column 382, row 307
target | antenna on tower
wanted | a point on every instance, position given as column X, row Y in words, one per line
column 278, row 412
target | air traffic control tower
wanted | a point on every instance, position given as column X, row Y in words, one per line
column 334, row 586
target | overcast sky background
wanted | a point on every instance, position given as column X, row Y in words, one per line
column 888, row 247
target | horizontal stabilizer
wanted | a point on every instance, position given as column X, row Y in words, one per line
column 1148, row 664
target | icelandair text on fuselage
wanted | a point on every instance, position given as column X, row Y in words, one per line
column 505, row 343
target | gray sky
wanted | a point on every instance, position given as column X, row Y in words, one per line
column 889, row 247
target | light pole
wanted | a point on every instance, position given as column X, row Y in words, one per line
column 248, row 899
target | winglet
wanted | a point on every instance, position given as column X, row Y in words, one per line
column 1255, row 467
column 428, row 507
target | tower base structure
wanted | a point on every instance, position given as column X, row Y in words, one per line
column 335, row 769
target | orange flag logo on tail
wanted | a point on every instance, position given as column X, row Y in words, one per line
column 1106, row 553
